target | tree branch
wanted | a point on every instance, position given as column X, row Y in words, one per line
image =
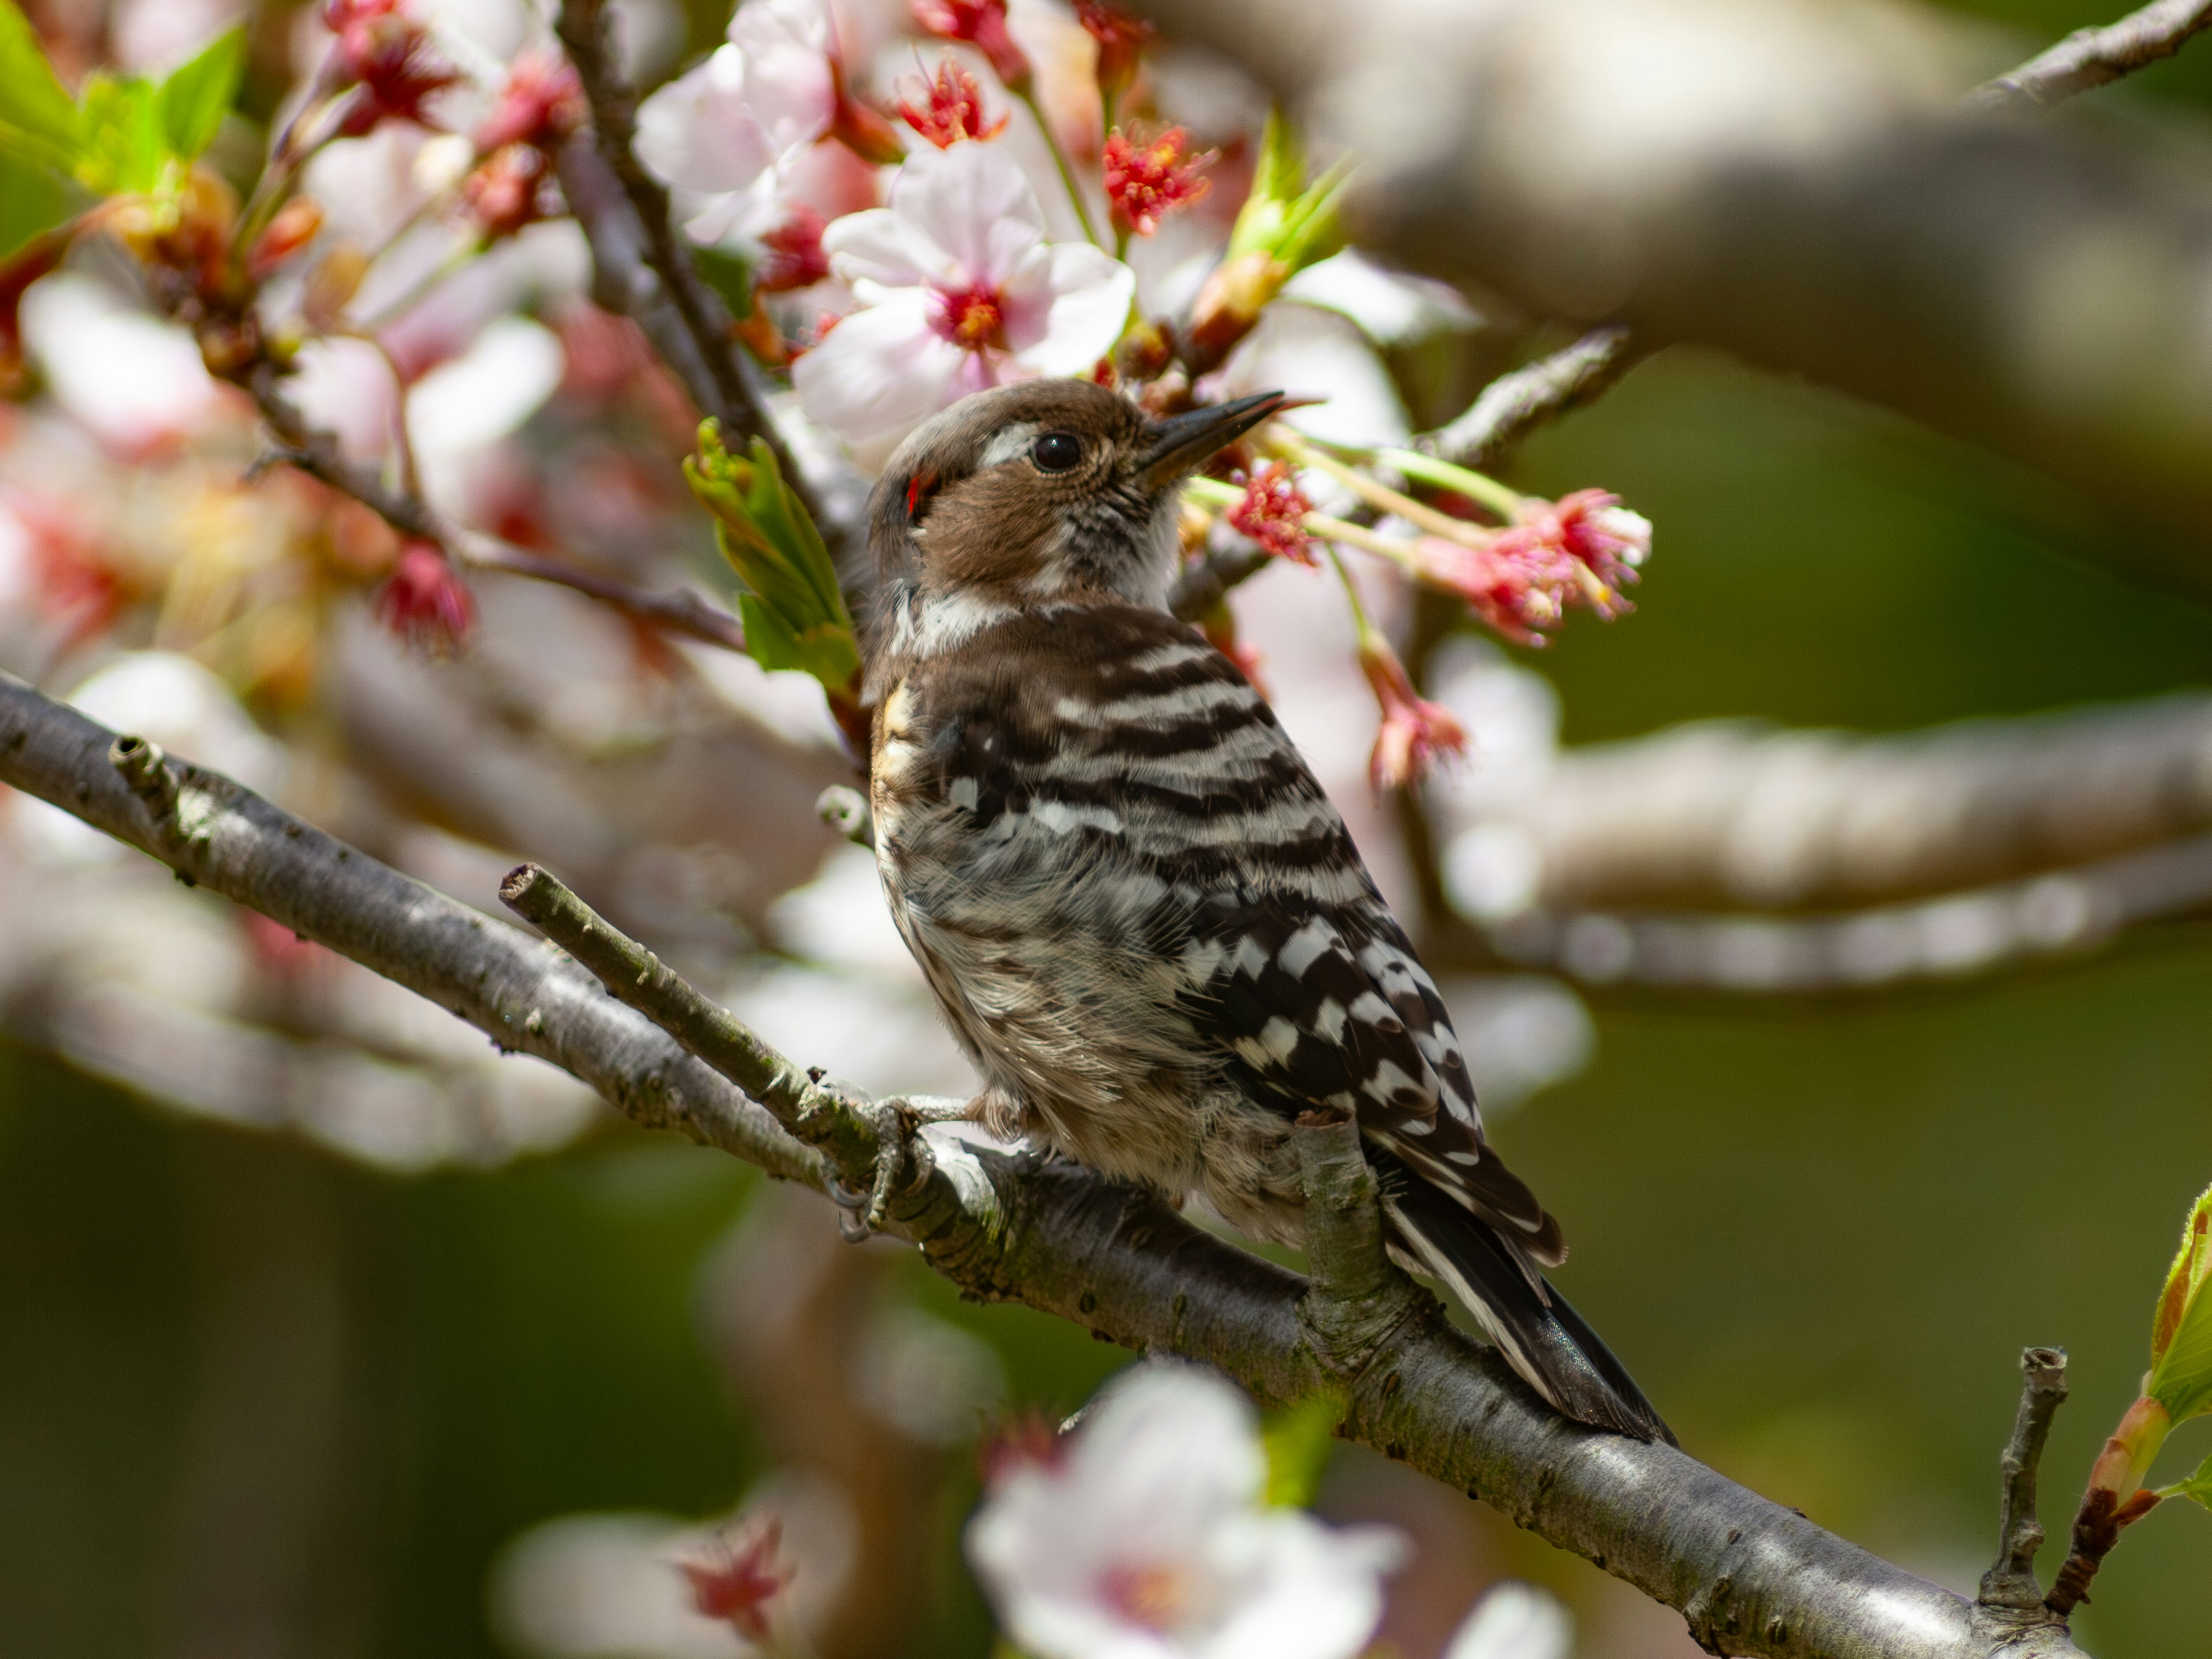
column 2096, row 57
column 1514, row 405
column 2011, row 1583
column 1751, row 1577
column 316, row 454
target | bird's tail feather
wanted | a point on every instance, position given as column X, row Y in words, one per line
column 1542, row 1338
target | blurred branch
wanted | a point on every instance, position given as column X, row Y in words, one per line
column 645, row 263
column 316, row 454
column 525, row 995
column 2094, row 56
column 1945, row 938
column 1754, row 1577
column 1825, row 212
column 1737, row 815
column 2011, row 1583
column 643, row 269
column 1514, row 405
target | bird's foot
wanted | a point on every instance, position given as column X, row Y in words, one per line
column 894, row 1119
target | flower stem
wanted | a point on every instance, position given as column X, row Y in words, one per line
column 1360, row 618
column 1505, row 502
column 1028, row 96
column 1375, row 492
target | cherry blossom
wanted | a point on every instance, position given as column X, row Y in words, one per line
column 1122, row 40
column 424, row 602
column 1415, row 733
column 957, row 290
column 1272, row 514
column 1593, row 528
column 949, row 108
column 1514, row 1621
column 1149, row 1539
column 724, row 133
column 982, row 23
column 541, row 104
column 1147, row 180
column 382, row 49
column 736, row 1581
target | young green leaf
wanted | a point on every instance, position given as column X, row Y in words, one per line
column 1292, row 222
column 37, row 119
column 198, row 94
column 2181, row 1331
column 2197, row 1485
column 124, row 150
column 793, row 613
column 32, row 200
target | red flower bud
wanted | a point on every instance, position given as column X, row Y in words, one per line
column 509, row 190
column 542, row 104
column 425, row 603
column 1415, row 733
column 795, row 258
column 982, row 23
column 1122, row 40
column 384, row 53
column 294, row 226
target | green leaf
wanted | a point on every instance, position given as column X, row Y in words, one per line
column 37, row 118
column 124, row 151
column 1298, row 1442
column 32, row 200
column 198, row 94
column 2197, row 1485
column 2181, row 1331
column 1288, row 220
column 797, row 616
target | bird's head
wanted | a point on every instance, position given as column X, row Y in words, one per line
column 1047, row 491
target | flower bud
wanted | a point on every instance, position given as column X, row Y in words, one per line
column 1122, row 41
column 982, row 23
column 294, row 226
column 1415, row 732
column 425, row 603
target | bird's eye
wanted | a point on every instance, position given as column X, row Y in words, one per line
column 1057, row 452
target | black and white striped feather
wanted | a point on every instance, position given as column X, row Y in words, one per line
column 1153, row 934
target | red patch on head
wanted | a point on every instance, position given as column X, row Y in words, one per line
column 918, row 491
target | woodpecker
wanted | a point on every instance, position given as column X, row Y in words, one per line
column 1138, row 912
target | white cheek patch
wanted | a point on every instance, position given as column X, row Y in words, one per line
column 1010, row 443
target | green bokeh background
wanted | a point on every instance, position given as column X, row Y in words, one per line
column 1820, row 1231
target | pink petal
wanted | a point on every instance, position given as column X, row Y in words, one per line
column 696, row 132
column 880, row 247
column 882, row 372
column 785, row 44
column 973, row 202
column 1068, row 310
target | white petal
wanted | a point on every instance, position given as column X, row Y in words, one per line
column 345, row 387
column 1308, row 1591
column 1389, row 305
column 788, row 85
column 1172, row 1442
column 1088, row 307
column 1311, row 353
column 697, row 132
column 973, row 202
column 881, row 372
column 488, row 392
column 134, row 381
column 880, row 248
column 1515, row 1621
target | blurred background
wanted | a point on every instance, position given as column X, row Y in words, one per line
column 326, row 1330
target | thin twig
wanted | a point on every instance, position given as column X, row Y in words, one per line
column 821, row 1117
column 2011, row 1583
column 1514, row 405
column 2094, row 57
column 1006, row 1224
column 316, row 454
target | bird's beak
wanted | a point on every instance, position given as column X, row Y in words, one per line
column 1182, row 442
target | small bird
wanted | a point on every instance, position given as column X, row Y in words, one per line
column 1141, row 916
